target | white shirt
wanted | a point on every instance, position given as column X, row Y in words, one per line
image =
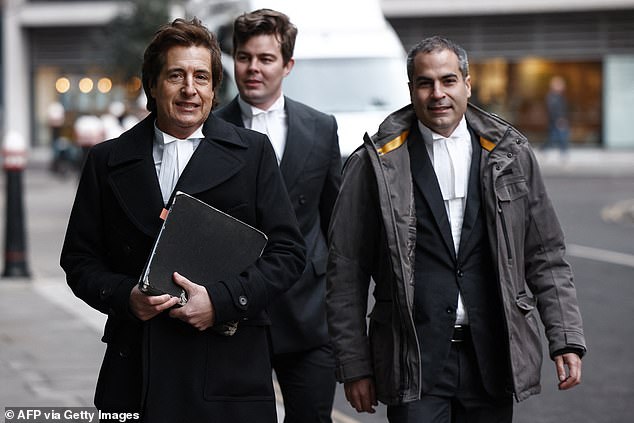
column 185, row 151
column 451, row 158
column 271, row 122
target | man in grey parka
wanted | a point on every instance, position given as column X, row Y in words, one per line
column 444, row 208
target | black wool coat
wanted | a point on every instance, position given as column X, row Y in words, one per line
column 163, row 368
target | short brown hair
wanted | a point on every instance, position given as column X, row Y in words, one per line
column 178, row 33
column 266, row 22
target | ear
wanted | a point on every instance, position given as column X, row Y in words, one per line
column 288, row 66
column 153, row 91
column 467, row 82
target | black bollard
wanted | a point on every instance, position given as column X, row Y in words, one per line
column 15, row 260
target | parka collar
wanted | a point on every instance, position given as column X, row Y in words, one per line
column 490, row 128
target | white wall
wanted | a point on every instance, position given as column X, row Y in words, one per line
column 618, row 101
column 410, row 8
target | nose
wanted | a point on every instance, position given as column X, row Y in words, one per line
column 253, row 65
column 438, row 92
column 188, row 86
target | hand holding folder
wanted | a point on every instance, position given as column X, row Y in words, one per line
column 201, row 243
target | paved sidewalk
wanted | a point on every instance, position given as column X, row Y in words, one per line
column 587, row 162
column 49, row 356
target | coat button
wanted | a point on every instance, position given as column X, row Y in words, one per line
column 460, row 273
column 498, row 167
column 124, row 351
column 509, row 155
column 449, row 310
column 243, row 300
column 302, row 200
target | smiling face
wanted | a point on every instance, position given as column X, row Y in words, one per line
column 438, row 91
column 259, row 70
column 183, row 91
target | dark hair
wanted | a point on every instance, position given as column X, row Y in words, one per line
column 178, row 33
column 437, row 43
column 265, row 22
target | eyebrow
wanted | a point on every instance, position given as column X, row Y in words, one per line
column 182, row 69
column 426, row 78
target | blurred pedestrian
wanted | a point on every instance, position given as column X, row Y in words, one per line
column 445, row 209
column 166, row 363
column 307, row 149
column 62, row 149
column 558, row 124
column 89, row 131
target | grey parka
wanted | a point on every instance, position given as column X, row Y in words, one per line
column 373, row 235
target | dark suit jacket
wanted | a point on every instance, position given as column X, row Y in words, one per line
column 440, row 273
column 311, row 167
column 187, row 375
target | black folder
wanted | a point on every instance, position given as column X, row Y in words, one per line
column 201, row 243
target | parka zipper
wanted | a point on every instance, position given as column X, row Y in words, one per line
column 509, row 256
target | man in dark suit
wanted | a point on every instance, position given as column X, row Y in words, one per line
column 445, row 209
column 181, row 364
column 307, row 149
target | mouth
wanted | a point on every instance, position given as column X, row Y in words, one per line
column 252, row 83
column 186, row 105
column 439, row 108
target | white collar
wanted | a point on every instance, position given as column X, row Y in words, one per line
column 460, row 133
column 250, row 111
column 165, row 138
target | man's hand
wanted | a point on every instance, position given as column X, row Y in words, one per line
column 360, row 394
column 199, row 311
column 572, row 363
column 145, row 307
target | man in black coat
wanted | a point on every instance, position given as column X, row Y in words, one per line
column 164, row 363
column 307, row 148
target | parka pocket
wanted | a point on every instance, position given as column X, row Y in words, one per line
column 525, row 303
column 527, row 342
column 511, row 187
column 527, row 306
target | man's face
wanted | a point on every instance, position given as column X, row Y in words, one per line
column 183, row 92
column 259, row 70
column 438, row 91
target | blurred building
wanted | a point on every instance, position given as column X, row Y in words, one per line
column 53, row 52
column 515, row 47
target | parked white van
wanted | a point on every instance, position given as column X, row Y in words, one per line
column 349, row 61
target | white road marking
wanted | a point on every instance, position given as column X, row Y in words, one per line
column 598, row 254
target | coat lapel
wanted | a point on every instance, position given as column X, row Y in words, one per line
column 299, row 142
column 133, row 175
column 427, row 183
column 472, row 208
column 213, row 162
column 133, row 179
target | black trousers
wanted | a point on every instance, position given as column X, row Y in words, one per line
column 307, row 381
column 459, row 396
